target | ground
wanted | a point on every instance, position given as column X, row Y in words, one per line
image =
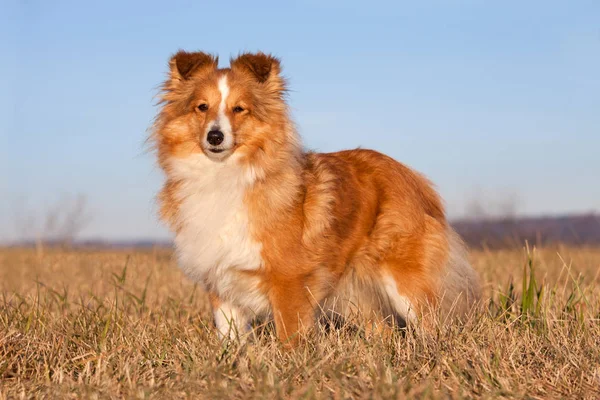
column 128, row 324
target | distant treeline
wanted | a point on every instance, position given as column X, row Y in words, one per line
column 504, row 232
column 492, row 233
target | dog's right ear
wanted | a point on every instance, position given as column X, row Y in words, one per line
column 184, row 65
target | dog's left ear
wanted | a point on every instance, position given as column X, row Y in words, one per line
column 183, row 64
column 265, row 68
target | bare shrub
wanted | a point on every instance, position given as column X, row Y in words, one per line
column 59, row 224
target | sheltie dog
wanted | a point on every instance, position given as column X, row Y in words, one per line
column 269, row 229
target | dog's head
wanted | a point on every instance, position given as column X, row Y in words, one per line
column 219, row 112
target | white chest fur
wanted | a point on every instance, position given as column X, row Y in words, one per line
column 214, row 242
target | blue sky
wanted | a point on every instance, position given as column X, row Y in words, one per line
column 491, row 100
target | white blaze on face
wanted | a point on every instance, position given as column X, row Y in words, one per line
column 222, row 122
column 222, row 117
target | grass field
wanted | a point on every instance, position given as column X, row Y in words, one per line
column 98, row 324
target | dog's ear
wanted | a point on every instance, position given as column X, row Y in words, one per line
column 265, row 68
column 183, row 64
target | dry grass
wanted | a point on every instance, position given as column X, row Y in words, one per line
column 80, row 324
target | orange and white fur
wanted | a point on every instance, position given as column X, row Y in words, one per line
column 269, row 229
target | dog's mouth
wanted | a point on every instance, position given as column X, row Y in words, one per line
column 218, row 153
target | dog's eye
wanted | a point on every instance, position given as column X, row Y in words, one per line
column 238, row 109
column 203, row 107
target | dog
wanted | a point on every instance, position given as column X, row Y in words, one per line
column 270, row 229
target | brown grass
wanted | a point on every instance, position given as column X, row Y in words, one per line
column 128, row 324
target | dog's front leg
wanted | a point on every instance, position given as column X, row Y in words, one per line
column 292, row 310
column 231, row 322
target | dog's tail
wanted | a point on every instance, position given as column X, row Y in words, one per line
column 461, row 288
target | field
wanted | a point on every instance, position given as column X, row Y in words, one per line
column 128, row 324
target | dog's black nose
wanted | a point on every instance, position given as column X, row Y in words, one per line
column 215, row 138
